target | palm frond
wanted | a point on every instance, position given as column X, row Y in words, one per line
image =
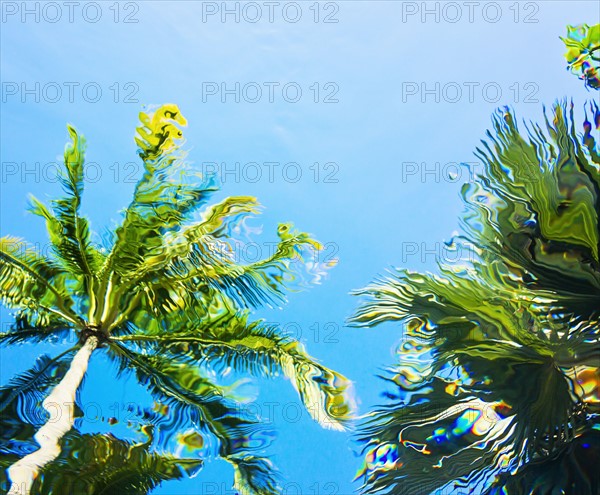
column 218, row 222
column 22, row 332
column 254, row 476
column 164, row 197
column 209, row 264
column 232, row 342
column 573, row 469
column 197, row 401
column 460, row 302
column 583, row 53
column 21, row 398
column 100, row 464
column 33, row 285
column 68, row 231
column 209, row 279
column 536, row 208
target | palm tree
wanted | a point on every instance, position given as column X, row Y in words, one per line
column 497, row 386
column 167, row 300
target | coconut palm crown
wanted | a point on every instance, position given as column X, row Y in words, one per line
column 496, row 389
column 165, row 302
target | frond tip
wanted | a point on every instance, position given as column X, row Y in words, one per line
column 583, row 53
column 159, row 133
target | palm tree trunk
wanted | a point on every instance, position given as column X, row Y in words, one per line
column 60, row 404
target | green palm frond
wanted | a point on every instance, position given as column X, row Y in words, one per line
column 583, row 53
column 254, row 476
column 202, row 403
column 252, row 285
column 218, row 222
column 22, row 332
column 202, row 259
column 33, row 285
column 164, row 197
column 111, row 466
column 560, row 473
column 69, row 232
column 231, row 342
column 22, row 396
column 451, row 299
column 537, row 207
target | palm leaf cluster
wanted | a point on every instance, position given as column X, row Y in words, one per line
column 168, row 302
column 583, row 53
column 496, row 386
column 88, row 463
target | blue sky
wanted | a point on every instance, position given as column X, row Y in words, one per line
column 385, row 149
